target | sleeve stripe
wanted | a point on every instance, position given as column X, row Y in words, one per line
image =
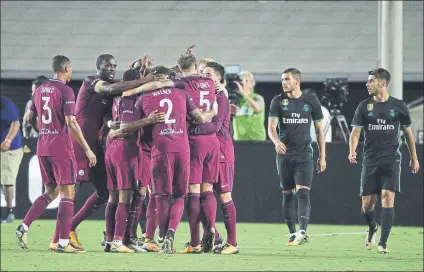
column 354, row 125
column 318, row 120
column 272, row 117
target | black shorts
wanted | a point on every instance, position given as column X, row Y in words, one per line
column 375, row 178
column 295, row 171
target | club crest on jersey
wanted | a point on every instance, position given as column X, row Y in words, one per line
column 305, row 107
column 392, row 113
column 104, row 101
column 81, row 172
column 285, row 102
column 370, row 107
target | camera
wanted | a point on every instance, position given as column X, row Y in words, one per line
column 336, row 92
column 232, row 88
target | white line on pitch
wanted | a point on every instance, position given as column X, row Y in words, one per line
column 335, row 234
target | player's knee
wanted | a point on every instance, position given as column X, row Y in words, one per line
column 113, row 197
column 387, row 199
column 303, row 193
column 194, row 188
column 225, row 197
column 206, row 187
column 67, row 191
column 51, row 192
column 125, row 196
column 287, row 192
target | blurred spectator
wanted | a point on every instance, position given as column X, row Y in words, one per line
column 416, row 113
column 11, row 152
column 248, row 124
column 325, row 121
column 35, row 84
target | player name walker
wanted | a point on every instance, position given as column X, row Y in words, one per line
column 295, row 119
column 163, row 91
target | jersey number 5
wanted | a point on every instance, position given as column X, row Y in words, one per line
column 169, row 111
column 46, row 107
column 204, row 101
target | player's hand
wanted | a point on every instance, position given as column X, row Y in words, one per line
column 91, row 157
column 281, row 148
column 5, row 145
column 215, row 107
column 321, row 164
column 233, row 109
column 190, row 49
column 155, row 117
column 160, row 77
column 415, row 166
column 352, row 157
column 25, row 132
column 115, row 124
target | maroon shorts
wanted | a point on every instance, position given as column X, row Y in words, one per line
column 204, row 160
column 226, row 178
column 85, row 173
column 57, row 170
column 170, row 173
column 144, row 174
column 121, row 166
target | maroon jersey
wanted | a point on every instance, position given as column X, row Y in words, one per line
column 90, row 109
column 202, row 91
column 54, row 100
column 221, row 125
column 123, row 110
column 170, row 136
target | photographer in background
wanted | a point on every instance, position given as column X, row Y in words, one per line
column 248, row 123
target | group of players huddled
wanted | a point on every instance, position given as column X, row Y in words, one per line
column 166, row 132
column 159, row 131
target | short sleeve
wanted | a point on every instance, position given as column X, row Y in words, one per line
column 316, row 113
column 404, row 117
column 274, row 108
column 68, row 99
column 190, row 103
column 358, row 119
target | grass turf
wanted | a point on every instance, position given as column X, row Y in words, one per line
column 262, row 248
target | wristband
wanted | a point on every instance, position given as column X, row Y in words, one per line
column 109, row 123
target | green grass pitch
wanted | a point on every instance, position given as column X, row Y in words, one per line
column 262, row 248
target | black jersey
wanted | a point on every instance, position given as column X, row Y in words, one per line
column 294, row 121
column 381, row 123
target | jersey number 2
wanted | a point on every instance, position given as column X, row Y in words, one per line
column 46, row 107
column 169, row 111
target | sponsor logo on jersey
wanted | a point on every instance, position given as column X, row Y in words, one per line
column 295, row 119
column 381, row 125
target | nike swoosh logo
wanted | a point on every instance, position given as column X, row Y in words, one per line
column 224, row 185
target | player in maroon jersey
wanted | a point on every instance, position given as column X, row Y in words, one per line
column 221, row 125
column 122, row 161
column 170, row 153
column 93, row 101
column 54, row 104
column 204, row 160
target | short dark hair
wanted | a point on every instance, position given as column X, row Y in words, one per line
column 59, row 63
column 310, row 91
column 186, row 61
column 131, row 74
column 162, row 70
column 102, row 58
column 218, row 68
column 381, row 74
column 39, row 80
column 295, row 73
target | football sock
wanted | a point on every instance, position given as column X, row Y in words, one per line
column 387, row 218
column 304, row 208
column 289, row 212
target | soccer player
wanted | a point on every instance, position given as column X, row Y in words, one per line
column 170, row 154
column 204, row 158
column 54, row 103
column 381, row 116
column 122, row 161
column 292, row 112
column 202, row 64
column 221, row 125
column 93, row 102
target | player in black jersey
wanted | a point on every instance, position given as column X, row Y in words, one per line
column 292, row 111
column 381, row 116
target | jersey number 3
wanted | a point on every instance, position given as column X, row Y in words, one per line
column 46, row 107
column 169, row 111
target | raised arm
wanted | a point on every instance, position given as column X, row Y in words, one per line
column 119, row 87
column 150, row 86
